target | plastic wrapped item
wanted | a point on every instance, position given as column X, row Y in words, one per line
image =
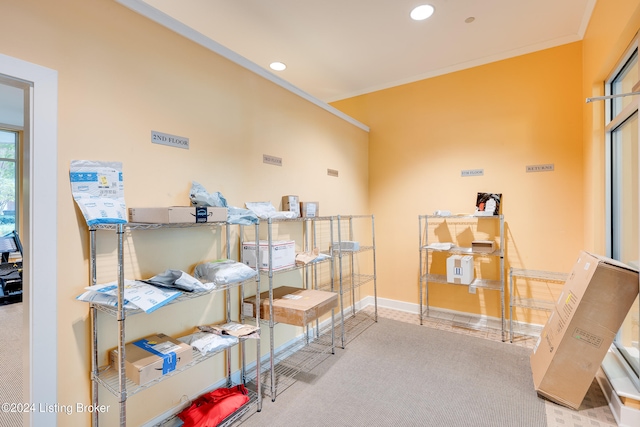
column 224, row 272
column 104, row 299
column 143, row 295
column 242, row 216
column 206, row 342
column 180, row 280
column 266, row 210
column 200, row 197
column 98, row 190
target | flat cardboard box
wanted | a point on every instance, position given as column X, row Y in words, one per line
column 152, row 357
column 460, row 269
column 482, row 246
column 291, row 204
column 178, row 214
column 283, row 254
column 293, row 306
column 309, row 209
column 592, row 306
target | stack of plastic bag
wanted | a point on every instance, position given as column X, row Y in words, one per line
column 200, row 197
column 266, row 210
column 223, row 272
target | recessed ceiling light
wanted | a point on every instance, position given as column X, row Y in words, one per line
column 277, row 66
column 421, row 13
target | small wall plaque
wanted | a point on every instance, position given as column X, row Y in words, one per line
column 271, row 160
column 170, row 140
column 472, row 172
column 540, row 168
column 332, row 172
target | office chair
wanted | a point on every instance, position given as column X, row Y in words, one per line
column 10, row 270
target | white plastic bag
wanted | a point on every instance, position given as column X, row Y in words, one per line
column 98, row 189
column 224, row 272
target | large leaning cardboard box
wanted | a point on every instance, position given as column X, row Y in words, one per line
column 152, row 357
column 293, row 306
column 178, row 214
column 592, row 306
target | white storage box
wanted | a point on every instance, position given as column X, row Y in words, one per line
column 283, row 254
column 460, row 269
column 291, row 204
column 309, row 209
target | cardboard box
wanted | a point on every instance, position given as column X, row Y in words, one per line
column 309, row 209
column 283, row 254
column 291, row 204
column 483, row 246
column 293, row 306
column 178, row 214
column 592, row 306
column 151, row 357
column 460, row 269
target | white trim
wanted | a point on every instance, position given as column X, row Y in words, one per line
column 39, row 238
column 162, row 18
column 613, row 380
column 586, row 17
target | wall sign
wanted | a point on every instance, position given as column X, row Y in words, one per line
column 332, row 172
column 472, row 172
column 170, row 140
column 271, row 160
column 540, row 168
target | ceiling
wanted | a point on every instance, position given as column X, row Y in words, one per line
column 336, row 49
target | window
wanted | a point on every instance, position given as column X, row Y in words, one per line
column 623, row 200
column 9, row 183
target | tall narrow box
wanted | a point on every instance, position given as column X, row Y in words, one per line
column 594, row 301
column 460, row 269
column 309, row 209
column 291, row 204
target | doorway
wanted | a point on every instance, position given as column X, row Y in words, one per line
column 39, row 236
column 12, row 121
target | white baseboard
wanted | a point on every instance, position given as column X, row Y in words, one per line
column 614, row 380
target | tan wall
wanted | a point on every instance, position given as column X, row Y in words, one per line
column 611, row 30
column 121, row 76
column 499, row 117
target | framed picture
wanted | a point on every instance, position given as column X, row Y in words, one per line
column 488, row 204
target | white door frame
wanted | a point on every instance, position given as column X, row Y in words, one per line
column 40, row 380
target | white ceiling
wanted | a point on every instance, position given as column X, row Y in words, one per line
column 335, row 49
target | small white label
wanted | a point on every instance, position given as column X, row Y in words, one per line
column 170, row 140
column 247, row 309
column 290, row 296
column 166, row 347
column 472, row 172
column 271, row 160
column 540, row 168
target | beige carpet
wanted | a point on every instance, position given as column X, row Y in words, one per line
column 399, row 374
column 10, row 363
column 594, row 411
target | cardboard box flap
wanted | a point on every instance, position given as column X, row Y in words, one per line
column 613, row 262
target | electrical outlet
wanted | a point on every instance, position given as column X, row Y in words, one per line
column 472, row 289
